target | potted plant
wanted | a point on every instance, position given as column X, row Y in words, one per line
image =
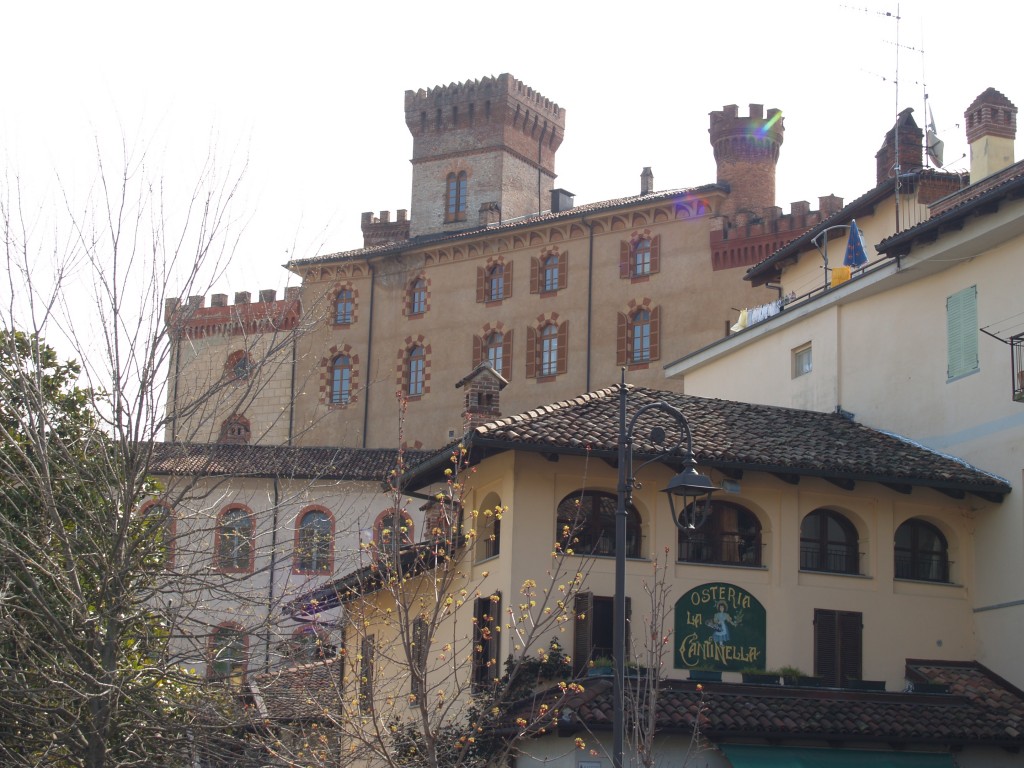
column 706, row 674
column 602, row 666
column 796, row 676
column 757, row 676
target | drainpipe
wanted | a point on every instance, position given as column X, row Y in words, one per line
column 590, row 293
column 369, row 353
column 291, row 386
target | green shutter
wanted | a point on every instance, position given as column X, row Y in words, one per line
column 962, row 332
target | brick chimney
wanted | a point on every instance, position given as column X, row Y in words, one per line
column 910, row 148
column 483, row 395
column 991, row 129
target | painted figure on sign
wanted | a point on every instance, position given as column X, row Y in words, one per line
column 720, row 624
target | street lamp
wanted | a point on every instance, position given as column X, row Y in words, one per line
column 689, row 494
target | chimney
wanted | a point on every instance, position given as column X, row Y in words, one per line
column 561, row 200
column 268, row 295
column 483, row 395
column 242, row 297
column 991, row 129
column 911, row 156
column 219, row 300
column 646, row 181
column 490, row 213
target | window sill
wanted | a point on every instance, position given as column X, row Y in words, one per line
column 487, row 559
column 960, row 376
column 812, row 572
column 547, row 378
column 744, row 566
column 638, row 366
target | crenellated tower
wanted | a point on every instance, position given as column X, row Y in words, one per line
column 991, row 129
column 483, row 151
column 746, row 151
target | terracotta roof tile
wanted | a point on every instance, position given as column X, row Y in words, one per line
column 307, row 692
column 726, row 435
column 198, row 459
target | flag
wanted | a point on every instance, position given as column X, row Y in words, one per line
column 855, row 254
column 933, row 144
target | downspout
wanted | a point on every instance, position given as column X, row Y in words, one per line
column 291, row 390
column 174, row 389
column 540, row 145
column 590, row 292
column 273, row 574
column 369, row 353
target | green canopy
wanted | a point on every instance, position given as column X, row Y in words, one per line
column 747, row 756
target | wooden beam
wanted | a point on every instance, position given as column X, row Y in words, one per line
column 842, row 482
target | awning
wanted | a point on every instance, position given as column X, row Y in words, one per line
column 747, row 756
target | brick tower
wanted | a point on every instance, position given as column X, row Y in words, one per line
column 746, row 151
column 991, row 129
column 483, row 151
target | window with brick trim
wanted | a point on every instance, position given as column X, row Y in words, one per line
column 238, row 366
column 638, row 337
column 455, row 197
column 495, row 346
column 344, row 306
column 417, row 300
column 494, row 282
column 547, row 350
column 229, row 654
column 233, row 544
column 341, row 380
column 314, row 542
column 486, row 647
column 838, row 646
column 640, row 257
column 415, row 371
column 549, row 273
column 921, row 552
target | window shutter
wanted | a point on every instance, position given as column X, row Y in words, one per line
column 850, row 633
column 481, row 284
column 506, row 354
column 583, row 644
column 629, row 621
column 826, row 651
column 621, row 344
column 962, row 332
column 535, row 275
column 478, row 350
column 655, row 326
column 563, row 347
column 656, row 253
column 563, row 271
column 531, row 353
column 507, row 283
column 624, row 249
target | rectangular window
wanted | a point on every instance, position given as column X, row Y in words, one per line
column 366, row 675
column 595, row 629
column 486, row 624
column 962, row 333
column 838, row 646
column 802, row 360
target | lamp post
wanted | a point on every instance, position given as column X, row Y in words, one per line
column 687, row 489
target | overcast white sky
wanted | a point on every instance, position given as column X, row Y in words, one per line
column 313, row 92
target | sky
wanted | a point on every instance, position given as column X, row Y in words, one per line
column 309, row 97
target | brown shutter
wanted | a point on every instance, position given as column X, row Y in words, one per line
column 481, row 283
column 563, row 348
column 850, row 632
column 621, row 343
column 506, row 354
column 582, row 644
column 507, row 291
column 563, row 271
column 656, row 253
column 655, row 330
column 478, row 350
column 535, row 275
column 826, row 650
column 531, row 353
column 624, row 254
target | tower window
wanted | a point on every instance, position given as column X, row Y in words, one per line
column 455, row 205
column 341, row 380
column 416, row 370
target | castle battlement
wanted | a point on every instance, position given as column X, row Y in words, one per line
column 193, row 319
column 381, row 230
column 456, row 94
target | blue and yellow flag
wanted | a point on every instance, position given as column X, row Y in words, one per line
column 855, row 254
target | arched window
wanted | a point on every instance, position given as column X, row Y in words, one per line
column 392, row 531
column 495, row 286
column 640, row 338
column 343, row 307
column 828, row 542
column 314, row 537
column 238, row 366
column 549, row 350
column 586, row 524
column 549, row 273
column 341, row 380
column 731, row 535
column 229, row 651
column 418, row 296
column 416, row 366
column 455, row 203
column 234, row 549
column 642, row 258
column 495, row 346
column 921, row 552
column 235, row 430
